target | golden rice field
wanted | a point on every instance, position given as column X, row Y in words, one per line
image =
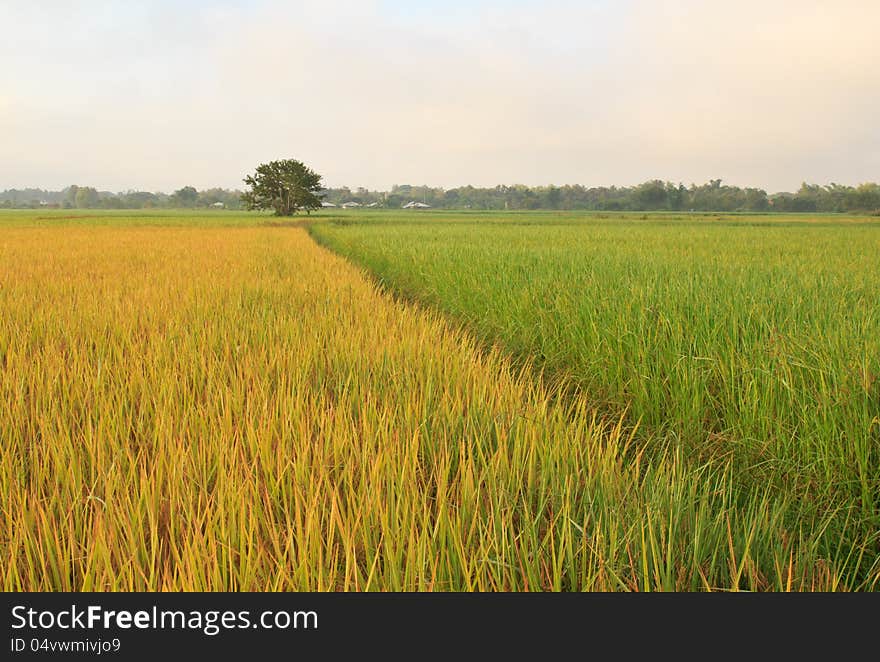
column 206, row 407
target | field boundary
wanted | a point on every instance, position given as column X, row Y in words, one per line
column 562, row 389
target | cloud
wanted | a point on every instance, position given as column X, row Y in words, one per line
column 766, row 92
column 377, row 93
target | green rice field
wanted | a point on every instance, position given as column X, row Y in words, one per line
column 749, row 344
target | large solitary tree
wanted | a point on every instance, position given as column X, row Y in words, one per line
column 286, row 186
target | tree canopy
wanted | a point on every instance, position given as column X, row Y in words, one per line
column 286, row 186
column 188, row 196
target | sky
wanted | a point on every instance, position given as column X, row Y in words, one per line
column 158, row 95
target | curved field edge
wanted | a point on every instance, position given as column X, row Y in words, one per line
column 495, row 283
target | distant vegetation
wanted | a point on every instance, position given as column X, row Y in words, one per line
column 654, row 195
column 87, row 197
column 650, row 196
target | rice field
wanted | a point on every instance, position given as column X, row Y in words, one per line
column 219, row 403
column 751, row 340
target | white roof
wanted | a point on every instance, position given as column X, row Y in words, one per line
column 420, row 205
column 351, row 204
column 327, row 204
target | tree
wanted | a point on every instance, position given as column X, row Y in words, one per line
column 86, row 197
column 185, row 197
column 286, row 186
column 651, row 195
column 70, row 195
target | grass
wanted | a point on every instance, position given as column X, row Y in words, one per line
column 213, row 403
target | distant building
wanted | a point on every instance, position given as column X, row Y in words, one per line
column 218, row 205
column 327, row 204
column 416, row 205
column 350, row 205
column 372, row 204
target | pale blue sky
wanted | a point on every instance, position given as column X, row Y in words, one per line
column 156, row 95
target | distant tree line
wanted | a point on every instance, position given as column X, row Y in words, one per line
column 655, row 195
column 87, row 197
